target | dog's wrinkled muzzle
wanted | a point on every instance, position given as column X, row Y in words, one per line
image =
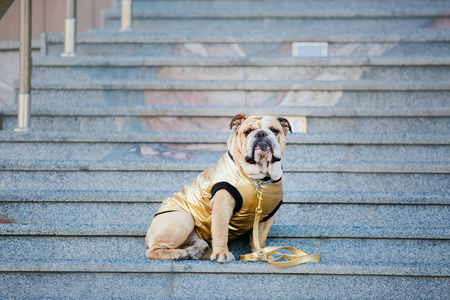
column 262, row 149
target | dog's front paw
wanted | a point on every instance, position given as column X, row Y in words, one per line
column 222, row 256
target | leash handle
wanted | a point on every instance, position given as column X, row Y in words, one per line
column 298, row 257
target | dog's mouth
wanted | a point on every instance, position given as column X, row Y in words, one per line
column 262, row 149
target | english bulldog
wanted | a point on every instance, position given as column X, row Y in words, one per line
column 219, row 205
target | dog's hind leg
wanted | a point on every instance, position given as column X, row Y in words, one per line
column 195, row 246
column 167, row 234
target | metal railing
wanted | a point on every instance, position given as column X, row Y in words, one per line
column 126, row 15
column 70, row 29
column 25, row 66
column 24, row 112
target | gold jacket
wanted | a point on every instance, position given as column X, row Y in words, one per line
column 195, row 198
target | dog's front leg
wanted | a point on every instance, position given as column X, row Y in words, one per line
column 222, row 206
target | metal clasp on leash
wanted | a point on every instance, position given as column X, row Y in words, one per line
column 259, row 190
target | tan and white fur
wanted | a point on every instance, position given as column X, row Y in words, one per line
column 257, row 146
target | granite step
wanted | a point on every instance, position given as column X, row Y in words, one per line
column 370, row 220
column 187, row 151
column 242, row 85
column 99, row 68
column 291, row 196
column 241, row 94
column 440, row 167
column 308, row 8
column 298, row 231
column 83, row 246
column 429, row 42
column 130, row 176
column 185, row 280
column 203, row 118
column 286, row 26
column 218, row 138
column 272, row 15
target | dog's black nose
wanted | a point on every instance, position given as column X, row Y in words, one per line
column 260, row 134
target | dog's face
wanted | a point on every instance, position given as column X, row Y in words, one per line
column 258, row 144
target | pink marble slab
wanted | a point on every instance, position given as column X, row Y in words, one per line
column 189, row 124
column 199, row 124
column 182, row 152
column 443, row 21
column 208, row 50
column 357, row 49
column 260, row 73
column 283, row 50
column 242, row 98
column 221, row 98
column 294, row 98
column 226, row 50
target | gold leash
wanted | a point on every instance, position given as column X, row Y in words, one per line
column 298, row 257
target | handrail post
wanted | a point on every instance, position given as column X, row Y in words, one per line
column 126, row 15
column 70, row 29
column 24, row 112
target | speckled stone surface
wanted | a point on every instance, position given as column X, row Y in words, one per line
column 408, row 43
column 126, row 251
column 291, row 232
column 193, row 138
column 311, row 85
column 146, row 196
column 283, row 8
column 286, row 26
column 383, row 217
column 318, row 120
column 198, row 153
column 166, row 181
column 421, row 36
column 296, row 69
column 136, row 115
column 213, row 97
column 222, row 286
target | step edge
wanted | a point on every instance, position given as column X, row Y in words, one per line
column 307, row 167
column 193, row 85
column 277, row 231
column 232, row 62
column 221, row 138
column 290, row 197
column 104, row 36
column 63, row 266
column 229, row 111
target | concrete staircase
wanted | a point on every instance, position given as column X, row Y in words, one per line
column 136, row 115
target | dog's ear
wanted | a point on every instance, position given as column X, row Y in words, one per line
column 237, row 121
column 286, row 125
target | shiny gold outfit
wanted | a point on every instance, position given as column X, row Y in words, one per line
column 195, row 198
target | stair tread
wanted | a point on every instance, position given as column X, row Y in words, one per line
column 148, row 61
column 355, row 9
column 221, row 138
column 151, row 266
column 422, row 35
column 417, row 167
column 277, row 231
column 239, row 85
column 230, row 111
column 290, row 197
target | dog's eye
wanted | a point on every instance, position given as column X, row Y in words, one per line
column 275, row 131
column 246, row 133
